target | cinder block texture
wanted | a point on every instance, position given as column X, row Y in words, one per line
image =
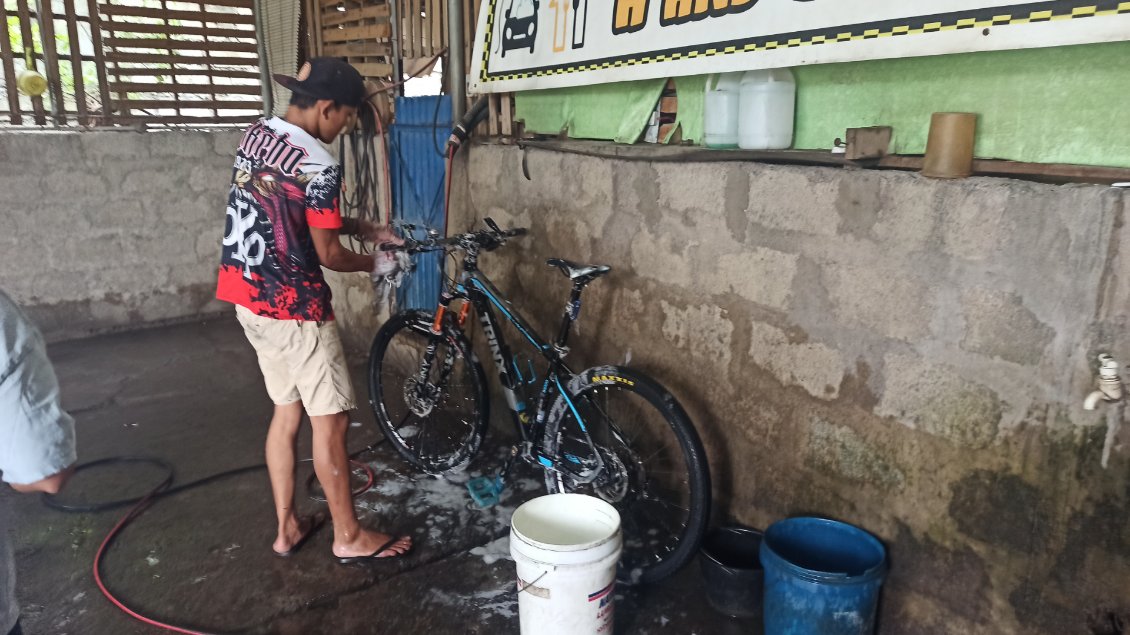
column 906, row 354
column 113, row 229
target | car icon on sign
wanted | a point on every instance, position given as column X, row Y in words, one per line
column 520, row 25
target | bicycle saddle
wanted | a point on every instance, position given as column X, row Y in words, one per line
column 574, row 271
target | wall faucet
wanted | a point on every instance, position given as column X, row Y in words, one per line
column 1110, row 389
column 1110, row 384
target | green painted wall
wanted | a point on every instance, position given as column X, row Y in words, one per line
column 1054, row 105
column 605, row 111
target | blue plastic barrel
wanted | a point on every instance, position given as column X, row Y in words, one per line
column 822, row 577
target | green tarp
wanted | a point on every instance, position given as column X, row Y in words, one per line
column 1055, row 105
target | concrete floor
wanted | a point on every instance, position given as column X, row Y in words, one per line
column 192, row 395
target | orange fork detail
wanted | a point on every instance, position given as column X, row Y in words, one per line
column 436, row 325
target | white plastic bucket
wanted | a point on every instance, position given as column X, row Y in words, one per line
column 566, row 548
column 720, row 123
column 766, row 109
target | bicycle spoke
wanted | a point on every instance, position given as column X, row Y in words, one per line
column 652, row 488
column 654, row 454
column 635, row 529
column 608, row 420
column 421, row 436
column 661, row 525
column 670, row 469
column 652, row 545
column 666, row 502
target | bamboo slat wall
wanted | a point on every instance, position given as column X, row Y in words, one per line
column 117, row 62
column 423, row 30
column 361, row 32
column 167, row 67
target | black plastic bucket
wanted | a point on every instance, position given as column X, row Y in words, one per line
column 731, row 571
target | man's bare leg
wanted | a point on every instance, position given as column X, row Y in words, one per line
column 281, row 439
column 331, row 464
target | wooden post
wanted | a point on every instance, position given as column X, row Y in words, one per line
column 492, row 109
column 29, row 54
column 316, row 26
column 506, row 118
column 417, row 29
column 425, row 27
column 46, row 16
column 76, row 63
column 100, row 62
column 437, row 26
column 6, row 58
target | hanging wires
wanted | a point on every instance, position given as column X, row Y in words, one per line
column 361, row 195
column 359, row 191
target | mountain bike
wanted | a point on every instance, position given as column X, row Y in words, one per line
column 608, row 431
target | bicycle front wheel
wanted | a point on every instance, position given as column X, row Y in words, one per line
column 434, row 416
column 651, row 466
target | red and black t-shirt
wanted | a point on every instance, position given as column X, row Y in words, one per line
column 284, row 183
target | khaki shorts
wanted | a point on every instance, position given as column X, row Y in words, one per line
column 300, row 361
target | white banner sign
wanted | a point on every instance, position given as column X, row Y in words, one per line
column 530, row 44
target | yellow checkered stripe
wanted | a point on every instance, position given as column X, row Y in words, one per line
column 486, row 45
column 1004, row 19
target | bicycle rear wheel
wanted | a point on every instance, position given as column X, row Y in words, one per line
column 652, row 465
column 435, row 422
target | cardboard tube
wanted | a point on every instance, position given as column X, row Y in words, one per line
column 949, row 148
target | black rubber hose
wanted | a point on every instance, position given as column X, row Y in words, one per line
column 163, row 488
column 472, row 118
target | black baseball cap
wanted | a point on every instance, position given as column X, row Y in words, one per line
column 327, row 78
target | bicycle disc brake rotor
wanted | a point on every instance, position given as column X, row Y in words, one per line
column 615, row 482
column 419, row 398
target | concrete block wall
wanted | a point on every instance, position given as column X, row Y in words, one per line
column 906, row 354
column 112, row 229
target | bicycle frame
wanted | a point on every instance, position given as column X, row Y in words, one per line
column 476, row 290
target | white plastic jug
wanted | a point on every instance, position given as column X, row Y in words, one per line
column 766, row 109
column 721, row 110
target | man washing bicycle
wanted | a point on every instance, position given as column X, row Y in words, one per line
column 283, row 226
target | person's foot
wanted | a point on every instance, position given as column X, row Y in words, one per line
column 294, row 532
column 370, row 544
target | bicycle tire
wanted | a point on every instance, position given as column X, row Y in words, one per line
column 407, row 416
column 627, row 483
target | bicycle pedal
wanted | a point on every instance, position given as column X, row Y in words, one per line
column 486, row 491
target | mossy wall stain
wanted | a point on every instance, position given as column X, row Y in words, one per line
column 1001, row 510
column 978, row 469
column 969, row 416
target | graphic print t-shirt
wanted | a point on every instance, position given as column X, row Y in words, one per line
column 284, row 183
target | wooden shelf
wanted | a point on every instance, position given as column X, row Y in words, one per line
column 1043, row 172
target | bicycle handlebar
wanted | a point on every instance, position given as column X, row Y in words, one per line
column 487, row 238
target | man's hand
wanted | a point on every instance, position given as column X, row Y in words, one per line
column 384, row 263
column 334, row 256
column 50, row 485
column 378, row 234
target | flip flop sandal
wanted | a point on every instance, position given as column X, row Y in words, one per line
column 376, row 554
column 316, row 522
